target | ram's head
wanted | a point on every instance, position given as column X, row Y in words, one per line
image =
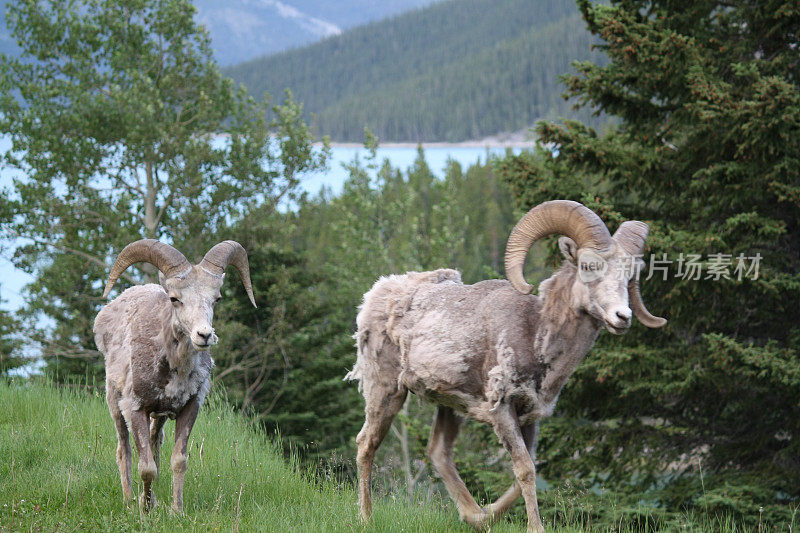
column 193, row 290
column 607, row 282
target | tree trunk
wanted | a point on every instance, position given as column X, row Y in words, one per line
column 405, row 452
column 150, row 220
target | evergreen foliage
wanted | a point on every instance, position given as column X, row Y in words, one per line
column 706, row 414
column 285, row 360
column 460, row 69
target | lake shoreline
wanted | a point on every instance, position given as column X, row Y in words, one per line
column 517, row 140
column 438, row 144
column 402, row 156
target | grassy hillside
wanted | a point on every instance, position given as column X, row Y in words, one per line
column 455, row 70
column 58, row 472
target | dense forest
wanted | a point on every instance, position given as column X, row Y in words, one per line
column 706, row 414
column 313, row 272
column 456, row 70
column 700, row 417
column 242, row 30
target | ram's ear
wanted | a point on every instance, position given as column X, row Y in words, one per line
column 568, row 249
column 162, row 279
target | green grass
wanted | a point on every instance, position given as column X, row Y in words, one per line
column 58, row 473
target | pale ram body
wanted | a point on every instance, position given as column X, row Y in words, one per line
column 155, row 339
column 491, row 351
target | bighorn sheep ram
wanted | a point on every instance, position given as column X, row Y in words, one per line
column 492, row 351
column 155, row 339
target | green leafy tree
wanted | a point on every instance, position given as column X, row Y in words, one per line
column 10, row 343
column 705, row 414
column 124, row 128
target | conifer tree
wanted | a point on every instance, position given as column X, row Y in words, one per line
column 707, row 151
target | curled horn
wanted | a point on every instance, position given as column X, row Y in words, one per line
column 564, row 217
column 230, row 253
column 161, row 255
column 631, row 235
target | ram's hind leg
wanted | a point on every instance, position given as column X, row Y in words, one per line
column 384, row 401
column 124, row 451
column 446, row 425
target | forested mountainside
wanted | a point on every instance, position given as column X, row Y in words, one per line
column 242, row 30
column 456, row 70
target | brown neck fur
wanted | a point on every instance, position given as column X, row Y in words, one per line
column 556, row 295
column 567, row 333
column 179, row 356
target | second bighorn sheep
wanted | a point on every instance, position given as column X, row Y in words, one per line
column 492, row 351
column 155, row 339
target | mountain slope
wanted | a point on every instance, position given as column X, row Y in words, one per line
column 244, row 29
column 455, row 70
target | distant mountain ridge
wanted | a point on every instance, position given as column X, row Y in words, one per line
column 448, row 70
column 241, row 30
column 455, row 70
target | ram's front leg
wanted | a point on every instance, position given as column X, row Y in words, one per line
column 496, row 509
column 506, row 426
column 157, row 439
column 183, row 428
column 140, row 427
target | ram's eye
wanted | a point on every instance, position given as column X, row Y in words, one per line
column 174, row 300
column 216, row 301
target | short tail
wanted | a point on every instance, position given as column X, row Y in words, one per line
column 362, row 347
column 382, row 306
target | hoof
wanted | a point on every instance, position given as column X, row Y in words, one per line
column 129, row 499
column 480, row 521
column 535, row 528
column 489, row 518
column 148, row 504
